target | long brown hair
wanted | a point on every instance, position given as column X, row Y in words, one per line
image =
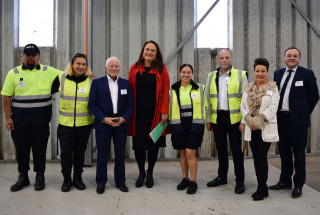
column 157, row 63
column 69, row 69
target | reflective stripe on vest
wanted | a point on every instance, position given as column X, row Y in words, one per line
column 72, row 114
column 16, row 70
column 33, row 104
column 234, row 97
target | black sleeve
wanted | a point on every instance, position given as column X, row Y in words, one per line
column 55, row 85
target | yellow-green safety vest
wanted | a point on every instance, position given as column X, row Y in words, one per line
column 234, row 95
column 198, row 114
column 30, row 91
column 74, row 98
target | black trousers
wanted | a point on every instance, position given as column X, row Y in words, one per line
column 292, row 139
column 26, row 138
column 220, row 131
column 73, row 144
column 260, row 152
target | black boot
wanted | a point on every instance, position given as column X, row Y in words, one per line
column 139, row 181
column 261, row 193
column 77, row 181
column 149, row 181
column 40, row 181
column 67, row 182
column 23, row 181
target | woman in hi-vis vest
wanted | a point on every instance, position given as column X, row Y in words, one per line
column 187, row 120
column 75, row 120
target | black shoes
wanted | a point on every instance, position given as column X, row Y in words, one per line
column 240, row 188
column 296, row 193
column 139, row 181
column 40, row 181
column 192, row 188
column 78, row 182
column 23, row 181
column 149, row 180
column 217, row 182
column 100, row 189
column 122, row 187
column 67, row 182
column 260, row 195
column 280, row 185
column 183, row 184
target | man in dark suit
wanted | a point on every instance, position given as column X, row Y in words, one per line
column 111, row 103
column 298, row 97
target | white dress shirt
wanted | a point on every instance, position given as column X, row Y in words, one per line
column 223, row 103
column 285, row 102
column 113, row 86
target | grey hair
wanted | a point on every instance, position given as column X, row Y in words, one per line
column 228, row 50
column 112, row 58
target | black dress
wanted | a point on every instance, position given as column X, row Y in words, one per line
column 146, row 85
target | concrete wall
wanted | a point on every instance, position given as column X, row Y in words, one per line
column 267, row 29
column 257, row 28
column 119, row 28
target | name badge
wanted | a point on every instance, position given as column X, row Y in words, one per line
column 123, row 91
column 299, row 83
column 82, row 90
column 21, row 84
column 194, row 96
column 227, row 80
column 269, row 92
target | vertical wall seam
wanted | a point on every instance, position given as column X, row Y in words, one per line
column 261, row 27
column 278, row 29
column 309, row 33
column 294, row 23
column 245, row 36
column 143, row 21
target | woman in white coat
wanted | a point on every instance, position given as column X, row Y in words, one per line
column 259, row 109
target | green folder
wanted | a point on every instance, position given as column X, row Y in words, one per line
column 157, row 131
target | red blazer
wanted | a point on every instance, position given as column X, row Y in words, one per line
column 162, row 96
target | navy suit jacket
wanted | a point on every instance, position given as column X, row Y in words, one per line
column 100, row 103
column 302, row 99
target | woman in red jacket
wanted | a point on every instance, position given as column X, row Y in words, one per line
column 150, row 83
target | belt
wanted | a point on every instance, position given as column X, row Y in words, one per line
column 284, row 113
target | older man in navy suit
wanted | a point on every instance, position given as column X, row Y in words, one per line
column 298, row 97
column 111, row 103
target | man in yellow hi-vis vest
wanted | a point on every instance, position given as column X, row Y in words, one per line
column 27, row 106
column 224, row 89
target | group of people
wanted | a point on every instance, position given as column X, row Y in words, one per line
column 227, row 105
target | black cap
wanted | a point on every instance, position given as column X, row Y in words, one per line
column 31, row 49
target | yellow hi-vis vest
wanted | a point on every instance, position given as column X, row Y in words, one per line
column 30, row 91
column 234, row 95
column 74, row 98
column 198, row 114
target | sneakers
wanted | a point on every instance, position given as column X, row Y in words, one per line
column 183, row 184
column 192, row 188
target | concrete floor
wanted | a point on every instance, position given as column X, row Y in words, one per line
column 163, row 198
